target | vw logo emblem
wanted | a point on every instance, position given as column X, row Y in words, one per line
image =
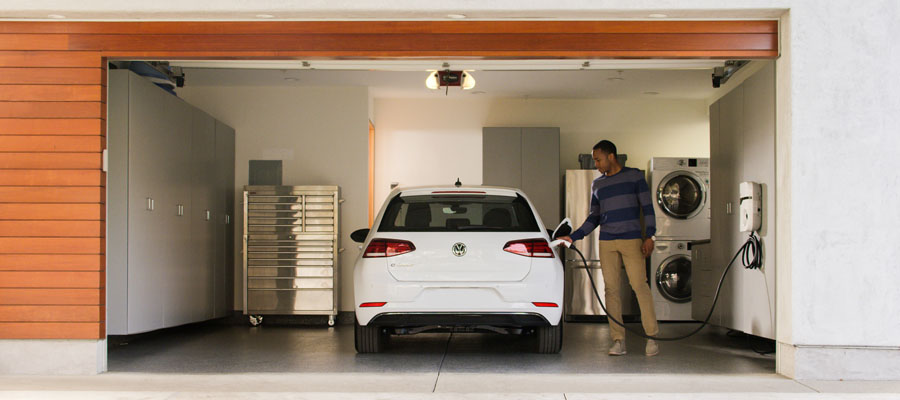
column 458, row 249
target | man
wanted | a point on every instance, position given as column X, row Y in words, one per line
column 617, row 199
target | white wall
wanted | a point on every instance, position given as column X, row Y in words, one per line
column 420, row 142
column 320, row 133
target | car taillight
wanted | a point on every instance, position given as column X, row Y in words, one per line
column 373, row 304
column 541, row 304
column 529, row 248
column 388, row 248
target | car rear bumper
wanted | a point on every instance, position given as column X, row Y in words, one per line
column 413, row 319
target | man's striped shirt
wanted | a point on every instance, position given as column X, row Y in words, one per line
column 616, row 205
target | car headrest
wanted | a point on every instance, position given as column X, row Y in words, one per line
column 498, row 218
column 418, row 215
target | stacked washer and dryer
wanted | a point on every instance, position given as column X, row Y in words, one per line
column 680, row 187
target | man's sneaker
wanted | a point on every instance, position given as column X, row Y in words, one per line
column 652, row 348
column 617, row 349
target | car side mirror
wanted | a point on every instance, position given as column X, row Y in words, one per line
column 563, row 229
column 359, row 235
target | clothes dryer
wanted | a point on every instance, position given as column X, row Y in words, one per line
column 670, row 280
column 680, row 190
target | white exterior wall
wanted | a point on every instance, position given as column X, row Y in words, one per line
column 838, row 303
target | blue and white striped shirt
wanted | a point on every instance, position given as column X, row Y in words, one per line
column 616, row 205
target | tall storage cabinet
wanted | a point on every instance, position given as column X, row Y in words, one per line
column 528, row 159
column 171, row 174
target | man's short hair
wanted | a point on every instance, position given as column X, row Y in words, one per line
column 607, row 147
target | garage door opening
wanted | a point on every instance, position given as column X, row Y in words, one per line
column 315, row 118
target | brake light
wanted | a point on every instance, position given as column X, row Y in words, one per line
column 529, row 248
column 539, row 304
column 374, row 304
column 388, row 248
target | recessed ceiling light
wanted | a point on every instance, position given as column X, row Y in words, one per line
column 56, row 16
column 265, row 16
column 456, row 16
column 651, row 93
column 658, row 16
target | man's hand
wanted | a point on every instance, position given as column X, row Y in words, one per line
column 647, row 247
column 566, row 238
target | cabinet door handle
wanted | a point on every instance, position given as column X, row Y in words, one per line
column 208, row 216
column 180, row 210
column 227, row 219
column 150, row 204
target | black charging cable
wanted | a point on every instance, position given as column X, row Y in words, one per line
column 750, row 258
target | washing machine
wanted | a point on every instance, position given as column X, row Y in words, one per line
column 670, row 280
column 680, row 190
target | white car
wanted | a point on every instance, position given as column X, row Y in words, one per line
column 459, row 259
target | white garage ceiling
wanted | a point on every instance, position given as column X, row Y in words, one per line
column 534, row 79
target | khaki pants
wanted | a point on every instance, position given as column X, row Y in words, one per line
column 612, row 254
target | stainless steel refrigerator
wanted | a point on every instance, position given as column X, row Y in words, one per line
column 580, row 301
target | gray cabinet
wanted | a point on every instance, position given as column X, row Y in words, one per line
column 742, row 148
column 167, row 188
column 224, row 205
column 528, row 159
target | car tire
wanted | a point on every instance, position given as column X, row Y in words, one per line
column 369, row 339
column 549, row 339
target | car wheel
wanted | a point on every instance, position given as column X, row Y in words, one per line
column 369, row 339
column 549, row 339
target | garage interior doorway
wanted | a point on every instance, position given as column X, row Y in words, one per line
column 658, row 108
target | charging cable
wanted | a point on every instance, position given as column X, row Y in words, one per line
column 750, row 258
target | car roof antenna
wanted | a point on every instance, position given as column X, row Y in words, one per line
column 458, row 183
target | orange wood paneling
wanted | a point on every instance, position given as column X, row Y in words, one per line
column 52, row 314
column 51, row 177
column 51, row 262
column 52, row 330
column 646, row 42
column 51, row 161
column 51, row 212
column 51, row 228
column 50, row 194
column 76, row 59
column 407, row 27
column 50, row 76
column 52, row 144
column 73, row 297
column 51, row 126
column 34, row 42
column 51, row 279
column 50, row 109
column 51, row 92
column 45, row 245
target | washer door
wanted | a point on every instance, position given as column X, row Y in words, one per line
column 673, row 279
column 681, row 195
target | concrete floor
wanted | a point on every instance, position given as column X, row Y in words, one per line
column 280, row 362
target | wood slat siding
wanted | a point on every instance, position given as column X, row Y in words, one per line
column 53, row 111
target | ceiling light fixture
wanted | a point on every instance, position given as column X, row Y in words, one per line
column 265, row 16
column 658, row 16
column 447, row 78
column 456, row 16
column 56, row 16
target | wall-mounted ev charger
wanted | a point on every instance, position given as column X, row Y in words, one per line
column 751, row 206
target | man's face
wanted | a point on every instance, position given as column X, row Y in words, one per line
column 601, row 161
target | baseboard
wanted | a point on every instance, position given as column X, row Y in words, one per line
column 52, row 357
column 807, row 362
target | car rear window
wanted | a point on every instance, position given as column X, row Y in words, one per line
column 453, row 213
